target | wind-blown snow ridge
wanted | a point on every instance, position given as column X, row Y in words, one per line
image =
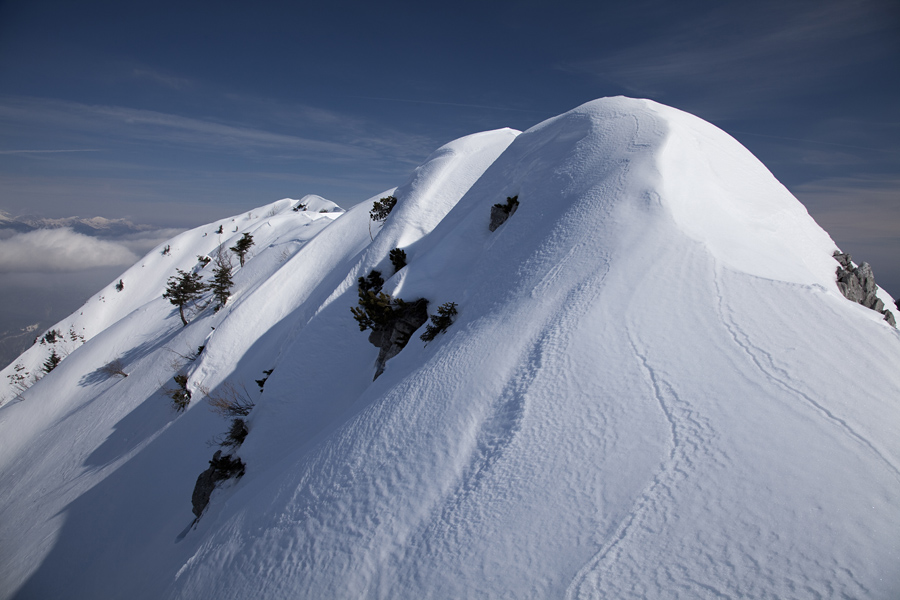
column 653, row 389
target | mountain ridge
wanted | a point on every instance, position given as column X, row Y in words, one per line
column 645, row 394
column 94, row 226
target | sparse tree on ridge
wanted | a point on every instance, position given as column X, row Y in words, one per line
column 242, row 247
column 182, row 289
column 380, row 210
column 221, row 281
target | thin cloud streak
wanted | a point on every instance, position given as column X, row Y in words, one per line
column 169, row 81
column 329, row 137
column 809, row 141
column 48, row 151
column 146, row 125
column 457, row 104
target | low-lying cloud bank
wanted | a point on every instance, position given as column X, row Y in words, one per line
column 65, row 250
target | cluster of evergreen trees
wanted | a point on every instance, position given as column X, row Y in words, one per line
column 392, row 320
column 186, row 288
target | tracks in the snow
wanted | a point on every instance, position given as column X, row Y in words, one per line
column 689, row 443
column 765, row 363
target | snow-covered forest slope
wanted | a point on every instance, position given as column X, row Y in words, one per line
column 652, row 388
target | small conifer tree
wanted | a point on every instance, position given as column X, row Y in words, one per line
column 221, row 281
column 51, row 337
column 380, row 210
column 120, row 286
column 440, row 322
column 52, row 361
column 181, row 395
column 182, row 289
column 242, row 247
column 398, row 259
column 374, row 306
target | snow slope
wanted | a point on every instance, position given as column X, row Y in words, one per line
column 653, row 389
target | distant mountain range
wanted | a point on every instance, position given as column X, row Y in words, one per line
column 93, row 226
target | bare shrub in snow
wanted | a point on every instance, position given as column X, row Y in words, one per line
column 229, row 400
column 182, row 358
column 20, row 379
column 234, row 437
column 113, row 368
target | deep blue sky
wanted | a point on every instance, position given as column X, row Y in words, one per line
column 175, row 113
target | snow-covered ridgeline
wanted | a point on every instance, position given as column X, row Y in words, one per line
column 652, row 389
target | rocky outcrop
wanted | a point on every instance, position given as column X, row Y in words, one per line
column 220, row 469
column 858, row 284
column 393, row 336
column 501, row 212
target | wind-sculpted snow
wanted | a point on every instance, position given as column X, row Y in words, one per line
column 653, row 389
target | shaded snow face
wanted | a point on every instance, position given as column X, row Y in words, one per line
column 651, row 389
column 730, row 202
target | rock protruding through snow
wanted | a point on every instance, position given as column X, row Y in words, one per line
column 392, row 337
column 220, row 469
column 501, row 212
column 858, row 284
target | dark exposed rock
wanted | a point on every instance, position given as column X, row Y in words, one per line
column 220, row 469
column 858, row 284
column 392, row 320
column 393, row 336
column 501, row 212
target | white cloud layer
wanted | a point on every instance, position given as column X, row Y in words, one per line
column 58, row 250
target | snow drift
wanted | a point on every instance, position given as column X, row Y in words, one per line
column 653, row 389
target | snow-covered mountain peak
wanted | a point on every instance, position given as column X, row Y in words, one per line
column 635, row 398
